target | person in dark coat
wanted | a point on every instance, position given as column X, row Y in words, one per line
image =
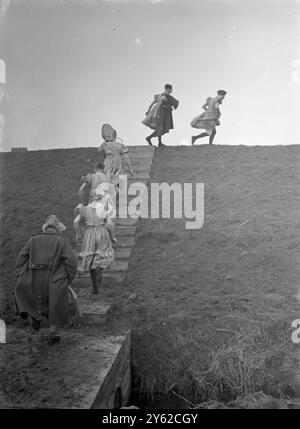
column 159, row 115
column 45, row 268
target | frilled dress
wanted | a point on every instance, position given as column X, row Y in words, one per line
column 209, row 119
column 160, row 117
column 97, row 250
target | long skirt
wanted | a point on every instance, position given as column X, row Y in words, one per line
column 161, row 123
column 112, row 164
column 151, row 119
column 97, row 250
column 202, row 122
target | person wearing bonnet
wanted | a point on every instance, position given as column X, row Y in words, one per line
column 115, row 154
column 45, row 268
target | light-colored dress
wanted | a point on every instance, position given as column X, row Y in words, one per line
column 115, row 153
column 97, row 250
column 152, row 117
column 209, row 119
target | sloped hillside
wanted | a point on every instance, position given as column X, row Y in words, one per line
column 211, row 309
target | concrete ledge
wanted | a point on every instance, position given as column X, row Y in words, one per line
column 117, row 380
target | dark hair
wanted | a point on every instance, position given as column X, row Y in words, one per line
column 99, row 166
column 222, row 92
column 168, row 86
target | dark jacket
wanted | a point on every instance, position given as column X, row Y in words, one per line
column 165, row 120
column 44, row 268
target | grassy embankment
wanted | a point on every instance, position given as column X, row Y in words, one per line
column 213, row 308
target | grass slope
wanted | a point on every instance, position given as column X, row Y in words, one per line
column 213, row 308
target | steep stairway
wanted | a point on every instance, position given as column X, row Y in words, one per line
column 96, row 311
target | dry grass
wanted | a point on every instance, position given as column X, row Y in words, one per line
column 247, row 365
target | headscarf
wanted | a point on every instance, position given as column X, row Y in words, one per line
column 53, row 222
column 108, row 133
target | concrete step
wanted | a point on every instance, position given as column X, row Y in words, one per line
column 126, row 222
column 140, row 175
column 140, row 166
column 140, row 157
column 147, row 162
column 126, row 205
column 140, row 180
column 123, row 231
column 113, row 277
column 117, row 266
column 141, row 149
column 141, row 169
column 94, row 312
column 124, row 242
column 123, row 253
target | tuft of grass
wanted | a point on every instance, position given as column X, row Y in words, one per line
column 248, row 364
column 196, row 363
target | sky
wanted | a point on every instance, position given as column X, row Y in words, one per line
column 73, row 65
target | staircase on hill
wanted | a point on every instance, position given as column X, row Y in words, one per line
column 96, row 311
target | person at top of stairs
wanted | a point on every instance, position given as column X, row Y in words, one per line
column 159, row 115
column 97, row 252
column 115, row 152
column 210, row 118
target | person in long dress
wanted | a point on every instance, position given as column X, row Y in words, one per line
column 97, row 253
column 115, row 152
column 45, row 269
column 210, row 118
column 159, row 116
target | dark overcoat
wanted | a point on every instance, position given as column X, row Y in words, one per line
column 165, row 117
column 44, row 268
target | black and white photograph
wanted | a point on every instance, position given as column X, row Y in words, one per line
column 149, row 208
